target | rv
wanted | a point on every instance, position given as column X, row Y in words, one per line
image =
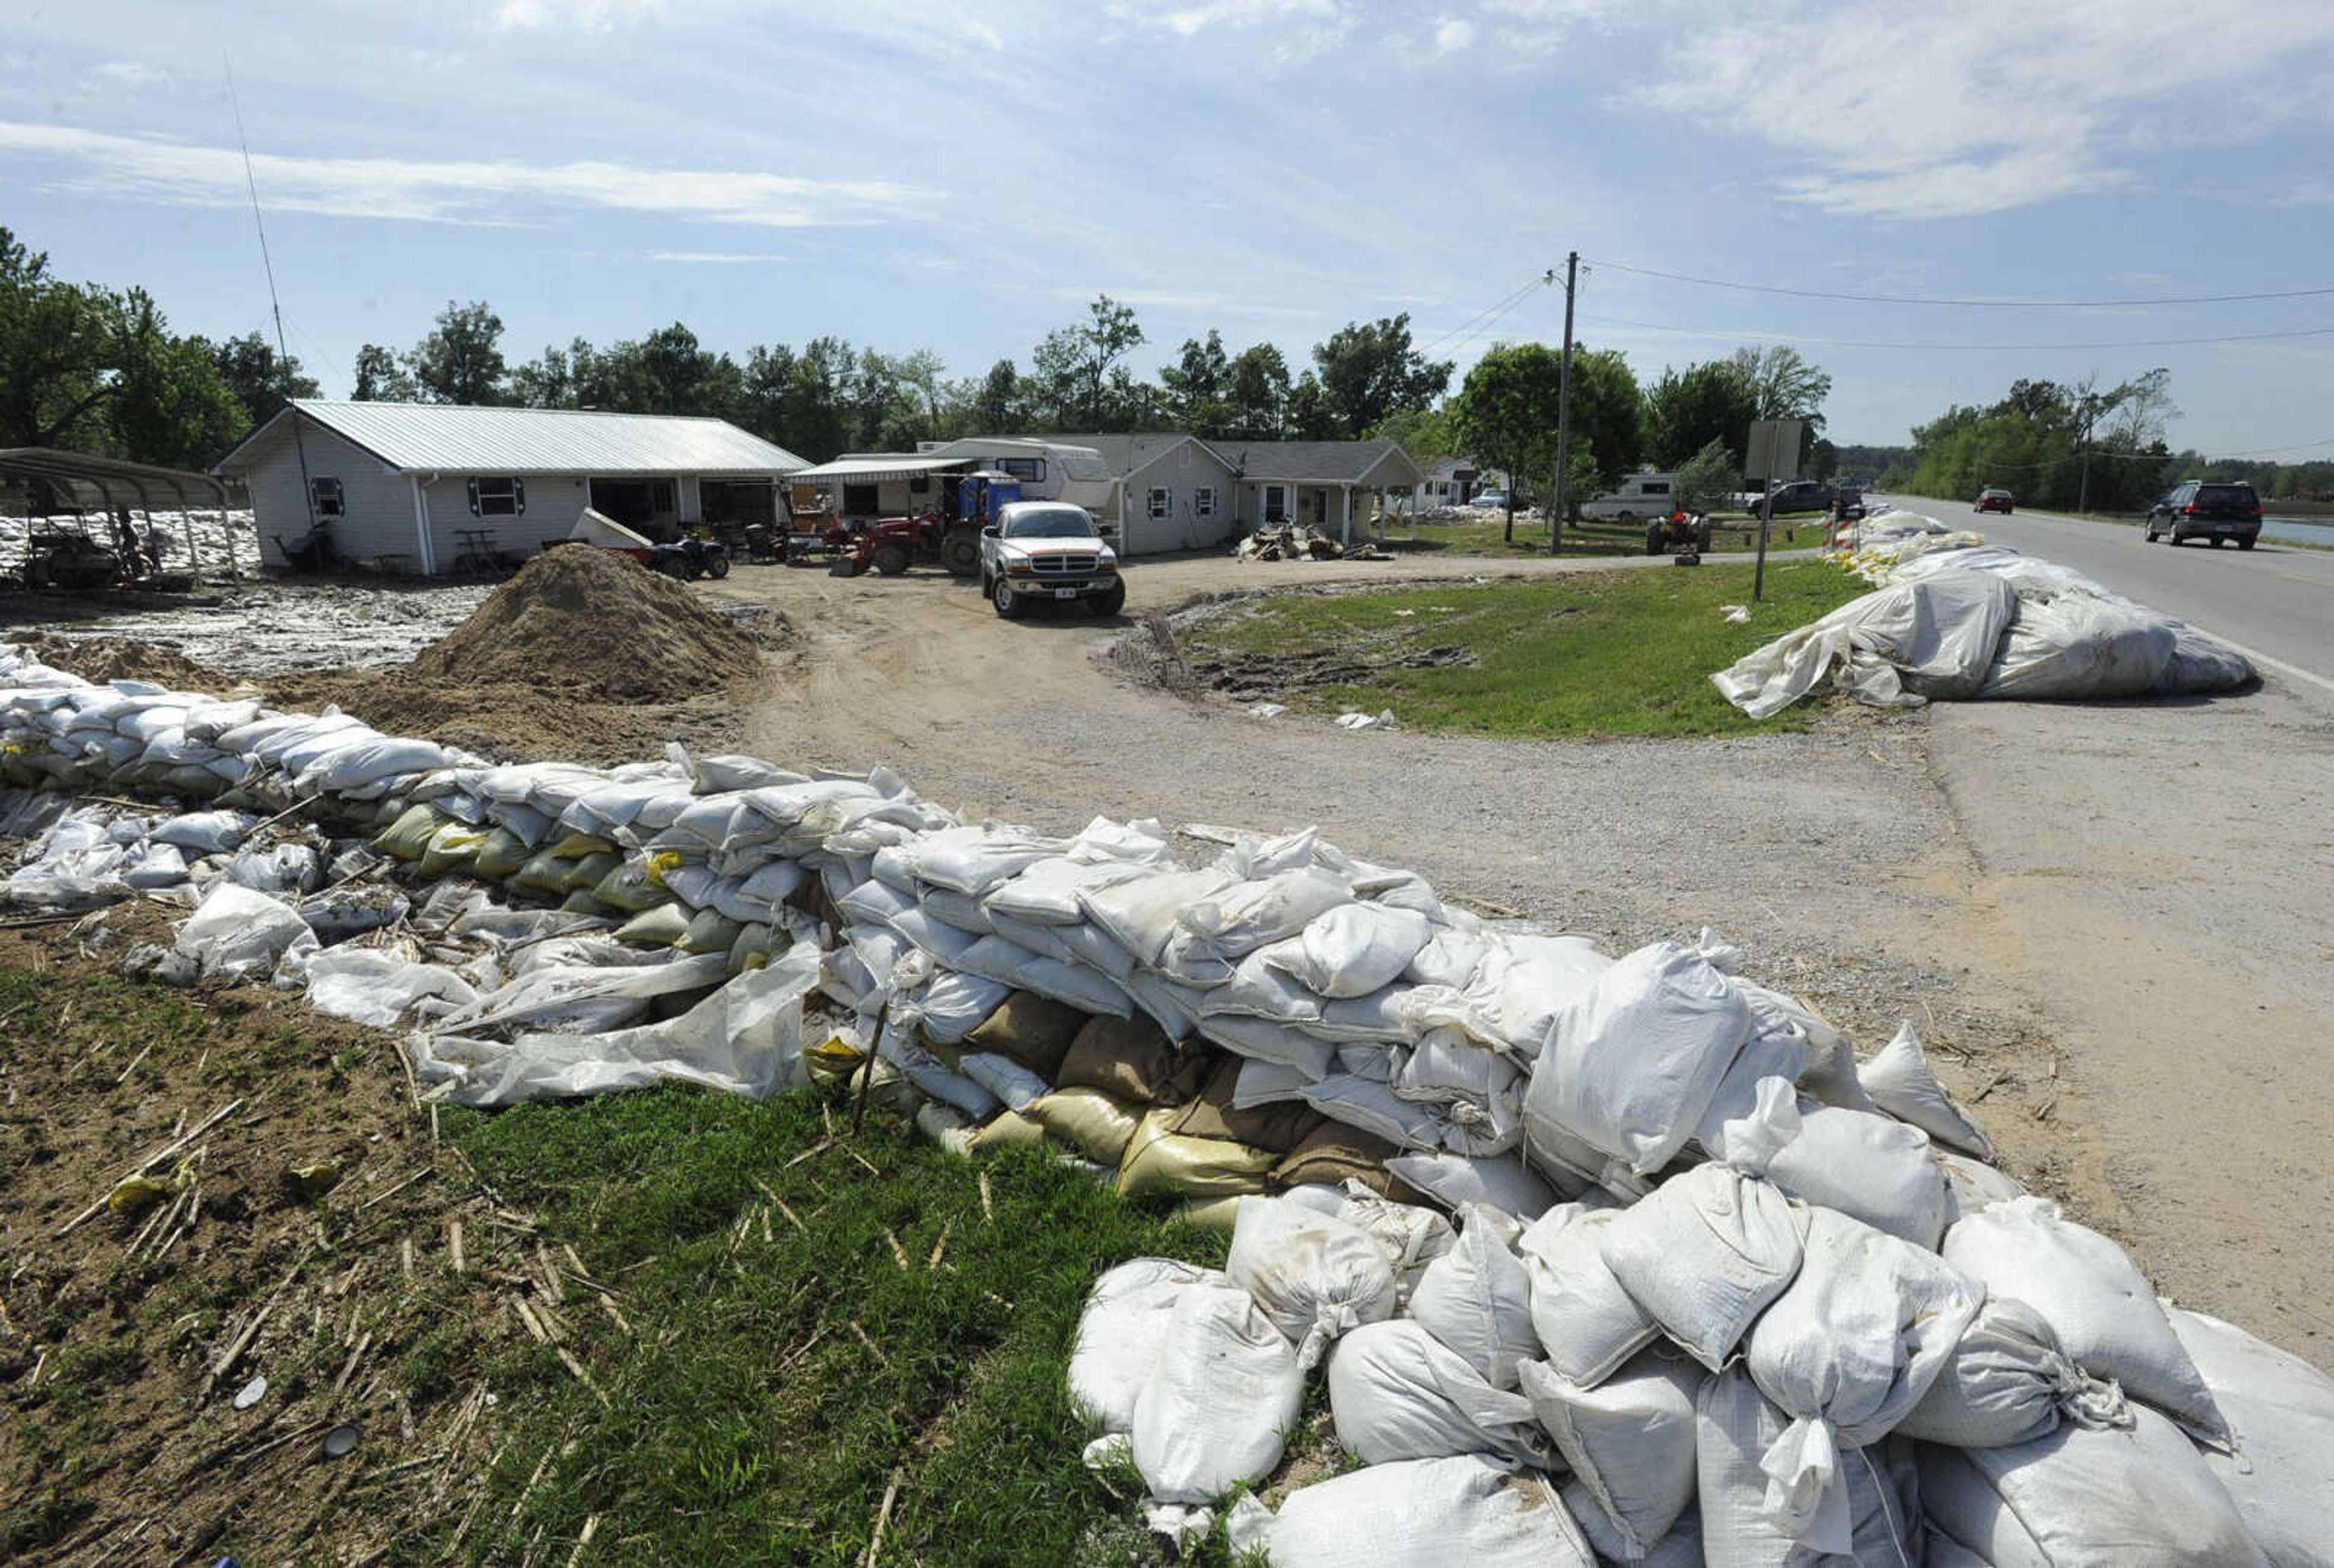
column 1644, row 493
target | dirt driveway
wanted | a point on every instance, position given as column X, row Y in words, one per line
column 1984, row 871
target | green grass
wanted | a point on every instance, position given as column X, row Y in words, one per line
column 748, row 1420
column 1488, row 539
column 1607, row 653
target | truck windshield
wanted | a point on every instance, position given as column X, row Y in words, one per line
column 1066, row 522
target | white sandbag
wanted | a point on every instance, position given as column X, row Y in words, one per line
column 1223, row 1388
column 1119, row 1335
column 1074, row 985
column 237, row 933
column 2075, row 645
column 1586, row 1324
column 1971, row 1185
column 953, row 1006
column 932, row 1076
column 1248, row 915
column 1630, row 1440
column 1047, row 892
column 377, row 987
column 1409, row 1237
column 959, row 909
column 1476, row 1299
column 2009, row 1382
column 1428, row 1514
column 2080, row 1498
column 1901, row 1082
column 1396, row 1393
column 1705, row 1254
column 1314, row 1275
column 2199, row 664
column 206, row 833
column 1140, row 914
column 974, row 860
column 2093, row 1296
column 1260, row 988
column 1003, row 1077
column 285, row 869
column 1502, row 1181
column 1353, row 950
column 1681, row 1548
column 1260, row 1039
column 1450, row 957
column 1630, row 1066
column 1369, row 1105
column 1893, row 648
column 2280, row 1410
column 1877, row 1521
column 1872, row 1167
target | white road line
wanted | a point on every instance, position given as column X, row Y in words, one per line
column 2291, row 671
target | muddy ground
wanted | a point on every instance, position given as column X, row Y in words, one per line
column 1979, row 870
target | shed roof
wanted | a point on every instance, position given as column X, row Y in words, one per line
column 867, row 467
column 1130, row 453
column 438, row 438
column 1324, row 462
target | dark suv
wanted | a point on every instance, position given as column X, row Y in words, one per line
column 1802, row 495
column 2207, row 509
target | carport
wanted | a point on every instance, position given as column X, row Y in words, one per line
column 882, row 484
column 117, row 488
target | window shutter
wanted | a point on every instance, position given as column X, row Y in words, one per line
column 518, row 496
column 474, row 498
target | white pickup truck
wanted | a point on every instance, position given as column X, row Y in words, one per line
column 1047, row 551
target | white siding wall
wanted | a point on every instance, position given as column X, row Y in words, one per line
column 1183, row 528
column 553, row 502
column 378, row 519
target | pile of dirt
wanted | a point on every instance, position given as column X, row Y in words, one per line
column 119, row 659
column 594, row 623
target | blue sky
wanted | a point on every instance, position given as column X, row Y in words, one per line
column 909, row 174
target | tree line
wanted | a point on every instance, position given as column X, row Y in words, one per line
column 2063, row 447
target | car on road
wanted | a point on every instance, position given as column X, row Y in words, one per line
column 2207, row 509
column 1994, row 498
column 1495, row 501
column 1800, row 495
column 1041, row 552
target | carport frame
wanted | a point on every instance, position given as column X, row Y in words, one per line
column 115, row 479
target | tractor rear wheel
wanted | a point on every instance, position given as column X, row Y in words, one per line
column 891, row 560
column 960, row 552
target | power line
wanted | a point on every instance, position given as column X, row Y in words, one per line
column 1968, row 304
column 1991, row 348
column 1487, row 316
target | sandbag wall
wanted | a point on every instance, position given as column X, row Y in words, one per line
column 1696, row 1282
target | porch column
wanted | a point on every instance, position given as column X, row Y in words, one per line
column 1345, row 514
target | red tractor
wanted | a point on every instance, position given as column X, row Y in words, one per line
column 1680, row 533
column 949, row 538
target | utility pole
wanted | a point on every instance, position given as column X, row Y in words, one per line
column 1563, row 411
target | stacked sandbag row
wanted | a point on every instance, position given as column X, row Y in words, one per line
column 1711, row 1203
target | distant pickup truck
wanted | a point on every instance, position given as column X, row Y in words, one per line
column 1044, row 551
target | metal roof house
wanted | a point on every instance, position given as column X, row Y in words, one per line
column 1323, row 485
column 1170, row 491
column 413, row 486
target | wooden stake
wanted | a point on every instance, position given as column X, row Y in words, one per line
column 988, row 1209
column 899, row 1253
column 883, row 1517
column 867, row 1070
column 939, row 1248
column 454, row 1246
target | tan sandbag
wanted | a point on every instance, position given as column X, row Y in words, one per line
column 1281, row 1126
column 1035, row 1031
column 1133, row 1059
column 709, row 931
column 832, row 1058
column 1009, row 1129
column 1158, row 1161
column 452, row 848
column 501, row 853
column 576, row 846
column 544, row 873
column 407, row 838
column 1216, row 1214
column 587, row 872
column 1098, row 1125
column 580, row 902
column 662, row 927
column 633, row 885
column 1334, row 1153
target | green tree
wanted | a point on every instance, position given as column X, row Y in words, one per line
column 762, row 392
column 461, row 360
column 169, row 406
column 1687, row 410
column 1709, row 479
column 1308, row 417
column 1607, row 413
column 1199, row 387
column 1368, row 371
column 1424, row 433
column 1258, row 395
column 1078, row 370
column 261, row 381
column 57, row 351
column 380, row 378
column 2053, row 446
column 1506, row 414
column 1001, row 406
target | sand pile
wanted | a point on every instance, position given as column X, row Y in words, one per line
column 119, row 659
column 594, row 623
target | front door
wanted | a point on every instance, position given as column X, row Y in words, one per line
column 1275, row 504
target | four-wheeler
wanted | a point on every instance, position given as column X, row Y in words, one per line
column 2200, row 509
column 689, row 558
column 1994, row 498
column 1047, row 551
column 949, row 538
column 1679, row 533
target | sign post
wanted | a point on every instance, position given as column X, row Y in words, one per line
column 1772, row 453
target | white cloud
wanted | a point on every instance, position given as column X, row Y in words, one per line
column 717, row 257
column 1295, row 30
column 128, row 73
column 175, row 174
column 590, row 15
column 1452, row 34
column 1902, row 109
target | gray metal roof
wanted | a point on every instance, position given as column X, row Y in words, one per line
column 1126, row 454
column 436, row 437
column 867, row 469
column 1323, row 462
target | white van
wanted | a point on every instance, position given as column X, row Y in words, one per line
column 1644, row 493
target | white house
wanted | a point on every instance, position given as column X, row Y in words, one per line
column 1335, row 486
column 414, row 486
column 1171, row 491
column 1454, row 482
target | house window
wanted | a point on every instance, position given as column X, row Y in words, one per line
column 1657, row 488
column 1203, row 501
column 660, row 495
column 497, row 497
column 1162, row 502
column 1028, row 470
column 858, row 500
column 324, row 495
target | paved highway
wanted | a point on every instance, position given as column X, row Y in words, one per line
column 2273, row 601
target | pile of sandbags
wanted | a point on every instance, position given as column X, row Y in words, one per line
column 1624, row 1259
column 1955, row 618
